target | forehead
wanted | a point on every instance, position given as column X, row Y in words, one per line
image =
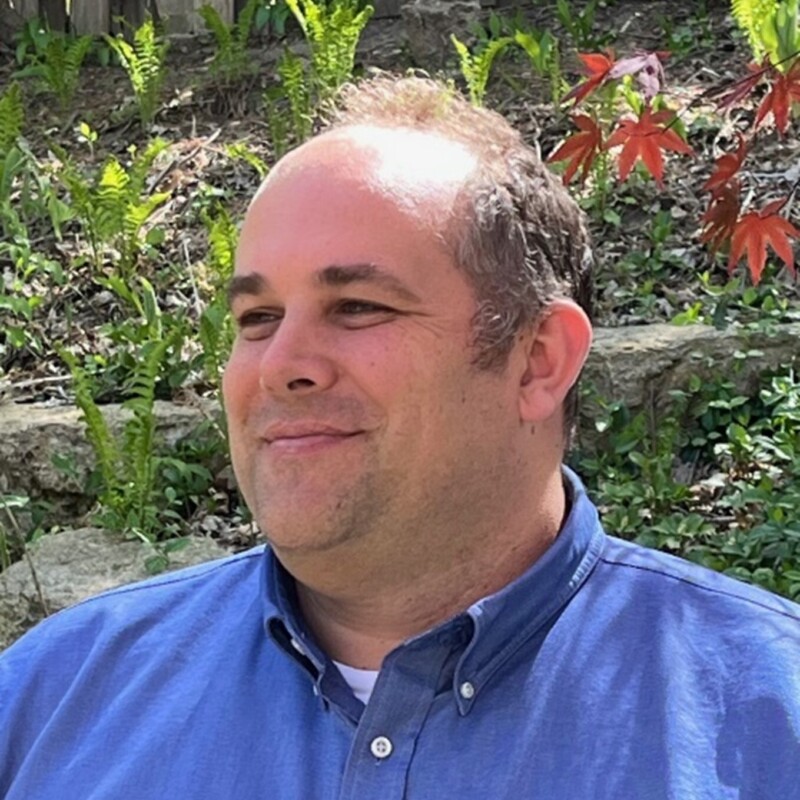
column 356, row 195
column 418, row 171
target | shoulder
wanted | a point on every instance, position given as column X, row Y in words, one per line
column 657, row 574
column 162, row 606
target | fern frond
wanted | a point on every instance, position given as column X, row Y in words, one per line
column 223, row 238
column 63, row 59
column 278, row 120
column 111, row 198
column 77, row 52
column 332, row 32
column 213, row 22
column 477, row 67
column 755, row 19
column 141, row 165
column 244, row 25
column 293, row 79
column 144, row 61
column 105, row 447
column 140, row 430
column 12, row 117
column 241, row 152
column 297, row 12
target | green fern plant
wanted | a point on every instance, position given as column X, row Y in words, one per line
column 144, row 61
column 230, row 62
column 278, row 119
column 298, row 95
column 239, row 151
column 476, row 67
column 26, row 190
column 116, row 206
column 290, row 107
column 127, row 466
column 59, row 67
column 12, row 158
column 332, row 31
column 771, row 28
column 12, row 118
column 216, row 327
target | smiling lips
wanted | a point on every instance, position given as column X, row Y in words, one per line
column 303, row 437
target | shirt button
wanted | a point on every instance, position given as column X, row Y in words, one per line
column 381, row 747
column 466, row 690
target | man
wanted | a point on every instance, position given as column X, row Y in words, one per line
column 438, row 613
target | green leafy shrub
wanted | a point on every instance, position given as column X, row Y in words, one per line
column 332, row 31
column 216, row 332
column 115, row 206
column 476, row 67
column 230, row 62
column 770, row 27
column 715, row 478
column 130, row 471
column 58, row 68
column 145, row 63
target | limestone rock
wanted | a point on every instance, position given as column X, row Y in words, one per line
column 32, row 435
column 429, row 23
column 74, row 565
column 641, row 365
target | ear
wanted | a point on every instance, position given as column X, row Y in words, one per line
column 556, row 350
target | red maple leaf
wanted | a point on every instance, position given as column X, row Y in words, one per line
column 597, row 67
column 726, row 166
column 581, row 148
column 721, row 216
column 757, row 229
column 644, row 139
column 744, row 86
column 784, row 90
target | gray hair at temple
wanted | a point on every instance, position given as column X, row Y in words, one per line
column 522, row 241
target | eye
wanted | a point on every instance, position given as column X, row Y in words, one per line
column 258, row 322
column 361, row 308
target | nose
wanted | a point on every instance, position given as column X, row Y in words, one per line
column 296, row 361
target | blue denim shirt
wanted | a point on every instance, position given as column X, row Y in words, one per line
column 605, row 671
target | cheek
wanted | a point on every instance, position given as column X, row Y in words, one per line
column 240, row 378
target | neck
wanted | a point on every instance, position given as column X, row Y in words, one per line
column 368, row 601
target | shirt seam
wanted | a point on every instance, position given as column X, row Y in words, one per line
column 702, row 586
column 586, row 566
column 138, row 587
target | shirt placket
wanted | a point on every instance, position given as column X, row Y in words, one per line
column 386, row 735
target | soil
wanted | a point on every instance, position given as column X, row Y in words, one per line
column 646, row 272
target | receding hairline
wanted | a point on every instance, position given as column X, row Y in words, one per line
column 380, row 148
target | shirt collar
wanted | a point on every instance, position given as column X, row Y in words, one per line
column 499, row 623
column 503, row 621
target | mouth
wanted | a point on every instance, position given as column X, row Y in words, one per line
column 311, row 441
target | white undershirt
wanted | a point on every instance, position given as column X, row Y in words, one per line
column 361, row 681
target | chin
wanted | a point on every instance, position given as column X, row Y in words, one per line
column 311, row 533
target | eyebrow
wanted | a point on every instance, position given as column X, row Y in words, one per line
column 333, row 276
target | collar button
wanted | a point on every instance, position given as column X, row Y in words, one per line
column 467, row 690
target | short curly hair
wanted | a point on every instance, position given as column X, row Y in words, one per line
column 522, row 240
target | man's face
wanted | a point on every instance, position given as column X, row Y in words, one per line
column 354, row 409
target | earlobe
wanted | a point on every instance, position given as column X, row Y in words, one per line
column 556, row 352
